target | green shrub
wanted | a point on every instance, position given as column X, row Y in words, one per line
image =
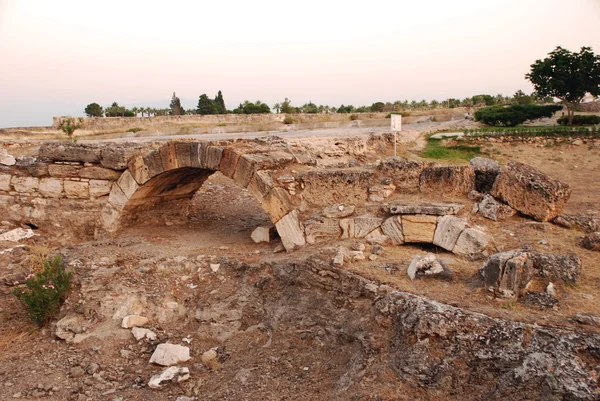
column 553, row 131
column 581, row 119
column 353, row 117
column 288, row 120
column 436, row 150
column 134, row 130
column 43, row 293
column 517, row 114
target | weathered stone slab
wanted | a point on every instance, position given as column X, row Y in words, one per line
column 392, row 227
column 25, row 184
column 245, row 168
column 127, row 184
column 153, row 163
column 486, row 171
column 530, row 191
column 561, row 268
column 183, row 154
column 290, row 230
column 69, row 152
column 592, row 241
column 63, row 170
column 263, row 234
column 117, row 198
column 170, row 354
column 338, row 211
column 359, row 227
column 51, row 187
column 99, row 173
column 320, row 228
column 377, row 237
column 447, row 181
column 6, row 159
column 491, row 209
column 76, row 189
column 116, row 156
column 100, row 188
column 5, row 182
column 405, row 174
column 437, row 209
column 516, row 274
column 138, row 170
column 428, row 266
column 447, row 232
column 277, row 204
column 418, row 228
column 214, row 157
column 229, row 161
column 197, row 154
column 168, row 156
column 260, row 184
column 471, row 243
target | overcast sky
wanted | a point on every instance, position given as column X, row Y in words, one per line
column 58, row 56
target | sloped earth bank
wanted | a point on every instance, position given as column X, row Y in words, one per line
column 287, row 331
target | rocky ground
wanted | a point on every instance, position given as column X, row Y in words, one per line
column 261, row 324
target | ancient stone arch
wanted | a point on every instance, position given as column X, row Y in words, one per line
column 176, row 170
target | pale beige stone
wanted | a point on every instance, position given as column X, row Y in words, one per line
column 25, row 184
column 138, row 169
column 77, row 189
column 51, row 187
column 471, row 242
column 5, row 182
column 447, row 232
column 277, row 204
column 359, row 227
column 418, row 228
column 392, row 227
column 99, row 173
column 100, row 188
column 134, row 321
column 290, row 230
column 127, row 184
column 261, row 184
column 263, row 234
column 63, row 170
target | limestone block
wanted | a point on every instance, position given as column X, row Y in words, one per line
column 338, row 211
column 130, row 321
column 359, row 227
column 229, row 161
column 63, row 170
column 174, row 374
column 263, row 234
column 6, row 159
column 117, row 197
column 277, row 204
column 471, row 243
column 491, row 209
column 99, row 173
column 320, row 228
column 116, row 156
column 418, row 228
column 530, row 191
column 428, row 266
column 214, row 158
column 245, row 169
column 100, row 188
column 77, row 189
column 138, row 170
column 405, row 174
column 168, row 156
column 109, row 217
column 25, row 184
column 70, row 152
column 170, row 354
column 447, row 181
column 197, row 154
column 377, row 237
column 517, row 273
column 261, row 184
column 127, row 184
column 5, row 182
column 183, row 154
column 438, row 209
column 38, row 169
column 392, row 227
column 447, row 232
column 153, row 162
column 51, row 187
column 290, row 230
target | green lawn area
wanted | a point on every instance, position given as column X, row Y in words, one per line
column 435, row 150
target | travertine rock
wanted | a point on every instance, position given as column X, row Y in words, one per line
column 471, row 243
column 76, row 189
column 170, row 354
column 447, row 232
column 25, row 184
column 338, row 211
column 428, row 266
column 530, row 191
column 290, row 230
column 491, row 209
column 438, row 209
column 319, row 228
column 51, row 187
column 263, row 234
column 418, row 228
column 486, row 171
column 447, row 181
column 392, row 227
column 172, row 374
column 359, row 227
column 592, row 241
column 134, row 321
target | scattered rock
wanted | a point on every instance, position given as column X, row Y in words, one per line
column 471, row 243
column 17, row 235
column 359, row 227
column 428, row 266
column 338, row 211
column 172, row 374
column 486, row 171
column 76, row 372
column 530, row 191
column 170, row 354
column 448, row 231
column 551, row 289
column 592, row 241
column 92, row 368
column 141, row 333
column 437, row 209
column 263, row 234
column 134, row 321
column 491, row 209
column 541, row 300
column 6, row 159
column 214, row 267
column 475, row 196
column 209, row 357
column 589, row 319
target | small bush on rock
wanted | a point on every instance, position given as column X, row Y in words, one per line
column 288, row 120
column 43, row 293
column 353, row 117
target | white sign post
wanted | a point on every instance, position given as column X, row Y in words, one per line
column 396, row 122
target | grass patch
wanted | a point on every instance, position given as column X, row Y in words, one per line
column 436, row 150
column 134, row 130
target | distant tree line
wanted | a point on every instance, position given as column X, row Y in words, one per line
column 216, row 105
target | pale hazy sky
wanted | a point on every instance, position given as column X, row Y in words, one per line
column 58, row 56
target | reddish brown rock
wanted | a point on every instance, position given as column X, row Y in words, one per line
column 530, row 191
column 447, row 181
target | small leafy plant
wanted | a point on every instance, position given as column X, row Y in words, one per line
column 69, row 125
column 134, row 129
column 288, row 120
column 353, row 117
column 42, row 293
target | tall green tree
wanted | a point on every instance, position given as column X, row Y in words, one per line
column 206, row 105
column 220, row 103
column 175, row 106
column 567, row 75
column 93, row 110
